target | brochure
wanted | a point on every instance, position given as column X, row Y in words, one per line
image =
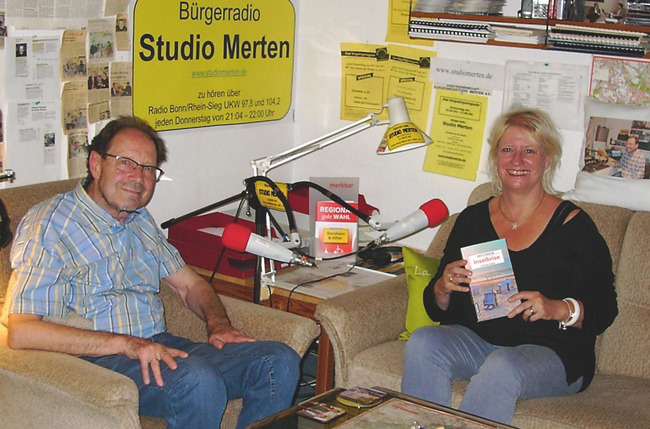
column 493, row 279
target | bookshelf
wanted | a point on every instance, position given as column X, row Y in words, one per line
column 528, row 23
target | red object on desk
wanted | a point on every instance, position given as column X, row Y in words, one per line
column 202, row 249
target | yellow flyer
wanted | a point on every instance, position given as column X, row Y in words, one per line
column 409, row 79
column 397, row 29
column 457, row 130
column 364, row 79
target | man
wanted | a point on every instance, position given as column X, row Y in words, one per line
column 632, row 163
column 93, row 81
column 594, row 13
column 97, row 251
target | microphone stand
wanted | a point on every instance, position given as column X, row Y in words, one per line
column 218, row 204
column 262, row 214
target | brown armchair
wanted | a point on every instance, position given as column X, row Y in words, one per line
column 46, row 389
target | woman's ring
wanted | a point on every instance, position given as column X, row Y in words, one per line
column 451, row 279
column 531, row 310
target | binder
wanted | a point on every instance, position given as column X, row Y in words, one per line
column 442, row 29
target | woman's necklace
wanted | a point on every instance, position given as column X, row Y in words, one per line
column 517, row 222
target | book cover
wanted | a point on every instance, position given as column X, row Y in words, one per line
column 319, row 412
column 493, row 279
column 360, row 396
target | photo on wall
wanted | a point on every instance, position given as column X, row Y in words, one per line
column 618, row 148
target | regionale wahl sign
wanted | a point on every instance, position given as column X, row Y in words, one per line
column 203, row 63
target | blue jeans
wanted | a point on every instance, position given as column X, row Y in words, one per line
column 498, row 376
column 264, row 373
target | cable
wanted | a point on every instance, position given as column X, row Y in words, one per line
column 317, row 281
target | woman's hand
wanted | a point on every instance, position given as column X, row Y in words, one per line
column 453, row 275
column 535, row 306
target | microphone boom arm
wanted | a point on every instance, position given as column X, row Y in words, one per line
column 224, row 202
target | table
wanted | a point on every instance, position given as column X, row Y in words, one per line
column 301, row 304
column 289, row 420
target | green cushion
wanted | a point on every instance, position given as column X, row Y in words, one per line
column 419, row 271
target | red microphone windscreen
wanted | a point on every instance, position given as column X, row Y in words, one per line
column 435, row 210
column 235, row 237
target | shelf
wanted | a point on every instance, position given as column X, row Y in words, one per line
column 523, row 23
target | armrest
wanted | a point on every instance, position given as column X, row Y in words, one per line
column 266, row 323
column 358, row 320
column 259, row 322
column 46, row 389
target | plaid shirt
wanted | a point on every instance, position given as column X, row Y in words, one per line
column 632, row 166
column 69, row 254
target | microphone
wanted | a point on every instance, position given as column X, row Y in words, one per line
column 239, row 238
column 429, row 214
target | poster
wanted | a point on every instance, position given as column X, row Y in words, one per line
column 397, row 29
column 557, row 89
column 33, row 141
column 121, row 89
column 32, row 68
column 408, row 77
column 42, row 15
column 457, row 133
column 231, row 61
column 364, row 74
column 73, row 55
column 620, row 80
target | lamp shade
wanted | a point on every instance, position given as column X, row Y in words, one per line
column 402, row 134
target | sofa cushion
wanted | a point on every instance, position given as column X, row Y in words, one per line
column 380, row 365
column 629, row 336
column 419, row 270
column 609, row 402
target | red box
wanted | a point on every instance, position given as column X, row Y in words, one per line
column 202, row 249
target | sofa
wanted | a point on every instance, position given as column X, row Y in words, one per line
column 364, row 326
column 54, row 390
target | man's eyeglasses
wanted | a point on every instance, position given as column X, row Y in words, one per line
column 126, row 165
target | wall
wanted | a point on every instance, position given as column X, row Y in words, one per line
column 209, row 164
column 394, row 183
column 206, row 165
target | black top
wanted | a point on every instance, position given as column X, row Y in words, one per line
column 567, row 260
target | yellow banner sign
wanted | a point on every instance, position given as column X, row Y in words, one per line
column 204, row 63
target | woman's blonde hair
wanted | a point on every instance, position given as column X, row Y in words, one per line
column 541, row 130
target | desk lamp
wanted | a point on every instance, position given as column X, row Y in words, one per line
column 401, row 135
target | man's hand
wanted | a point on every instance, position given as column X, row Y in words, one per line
column 202, row 299
column 150, row 354
column 223, row 333
column 28, row 331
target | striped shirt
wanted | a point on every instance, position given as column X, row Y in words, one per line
column 69, row 254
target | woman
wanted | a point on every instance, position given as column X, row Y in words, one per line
column 545, row 346
column 620, row 14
